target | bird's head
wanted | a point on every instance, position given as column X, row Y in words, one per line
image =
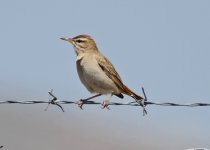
column 82, row 43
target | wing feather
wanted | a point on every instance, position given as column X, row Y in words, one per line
column 110, row 71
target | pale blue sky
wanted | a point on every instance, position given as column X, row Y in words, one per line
column 161, row 45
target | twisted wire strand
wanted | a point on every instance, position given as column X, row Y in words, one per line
column 143, row 103
column 98, row 103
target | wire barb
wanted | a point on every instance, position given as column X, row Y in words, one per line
column 53, row 101
column 142, row 102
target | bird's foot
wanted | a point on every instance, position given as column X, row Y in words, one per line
column 80, row 103
column 105, row 104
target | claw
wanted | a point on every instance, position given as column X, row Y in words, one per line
column 105, row 104
column 80, row 103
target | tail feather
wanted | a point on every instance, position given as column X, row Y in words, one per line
column 129, row 92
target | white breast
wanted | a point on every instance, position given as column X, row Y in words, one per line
column 93, row 77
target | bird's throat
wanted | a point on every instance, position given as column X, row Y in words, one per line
column 80, row 56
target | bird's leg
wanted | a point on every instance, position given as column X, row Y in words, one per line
column 81, row 102
column 105, row 103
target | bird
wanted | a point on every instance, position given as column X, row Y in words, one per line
column 96, row 72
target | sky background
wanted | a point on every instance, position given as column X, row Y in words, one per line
column 160, row 45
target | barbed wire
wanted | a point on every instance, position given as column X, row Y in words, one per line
column 143, row 103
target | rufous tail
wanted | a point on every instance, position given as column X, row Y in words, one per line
column 129, row 92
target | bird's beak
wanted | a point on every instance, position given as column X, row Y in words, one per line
column 67, row 39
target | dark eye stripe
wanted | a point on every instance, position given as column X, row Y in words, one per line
column 79, row 41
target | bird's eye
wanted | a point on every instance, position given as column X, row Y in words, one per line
column 79, row 41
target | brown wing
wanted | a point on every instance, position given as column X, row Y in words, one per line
column 110, row 71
